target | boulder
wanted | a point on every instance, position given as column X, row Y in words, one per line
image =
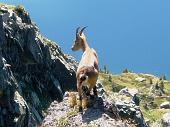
column 128, row 109
column 128, row 92
column 140, row 79
column 166, row 120
column 131, row 93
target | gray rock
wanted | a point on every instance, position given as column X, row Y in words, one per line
column 35, row 100
column 140, row 79
column 33, row 70
column 99, row 85
column 132, row 111
column 128, row 92
column 91, row 117
column 129, row 106
column 166, row 120
column 165, row 105
column 131, row 93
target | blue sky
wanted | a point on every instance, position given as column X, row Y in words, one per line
column 129, row 34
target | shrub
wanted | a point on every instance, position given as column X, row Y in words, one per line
column 19, row 9
column 110, row 78
column 162, row 77
column 161, row 86
column 105, row 69
column 150, row 81
column 125, row 70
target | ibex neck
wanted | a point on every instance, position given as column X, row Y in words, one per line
column 85, row 46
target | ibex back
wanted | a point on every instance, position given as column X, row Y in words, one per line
column 87, row 71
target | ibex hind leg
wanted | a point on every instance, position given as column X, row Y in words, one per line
column 95, row 91
column 86, row 90
column 95, row 98
column 79, row 89
column 85, row 100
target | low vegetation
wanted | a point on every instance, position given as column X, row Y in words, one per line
column 64, row 121
column 152, row 91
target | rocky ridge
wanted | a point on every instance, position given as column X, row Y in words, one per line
column 34, row 71
column 109, row 110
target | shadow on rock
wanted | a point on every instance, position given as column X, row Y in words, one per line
column 94, row 112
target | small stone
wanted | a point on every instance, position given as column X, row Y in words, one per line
column 165, row 105
column 132, row 109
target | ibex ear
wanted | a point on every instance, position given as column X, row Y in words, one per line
column 81, row 31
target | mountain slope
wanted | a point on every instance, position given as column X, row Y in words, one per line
column 152, row 92
column 35, row 74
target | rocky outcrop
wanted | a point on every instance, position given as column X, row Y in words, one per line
column 124, row 105
column 109, row 110
column 34, row 71
column 61, row 115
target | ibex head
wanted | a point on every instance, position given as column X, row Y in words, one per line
column 80, row 39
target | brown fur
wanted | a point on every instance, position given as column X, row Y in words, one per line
column 87, row 72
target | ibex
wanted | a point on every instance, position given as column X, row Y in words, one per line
column 87, row 71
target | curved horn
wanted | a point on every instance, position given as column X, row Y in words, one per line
column 77, row 30
column 81, row 31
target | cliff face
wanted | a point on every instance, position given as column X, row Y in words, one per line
column 33, row 70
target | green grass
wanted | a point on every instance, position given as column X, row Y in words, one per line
column 106, row 84
column 159, row 100
column 154, row 115
column 167, row 88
